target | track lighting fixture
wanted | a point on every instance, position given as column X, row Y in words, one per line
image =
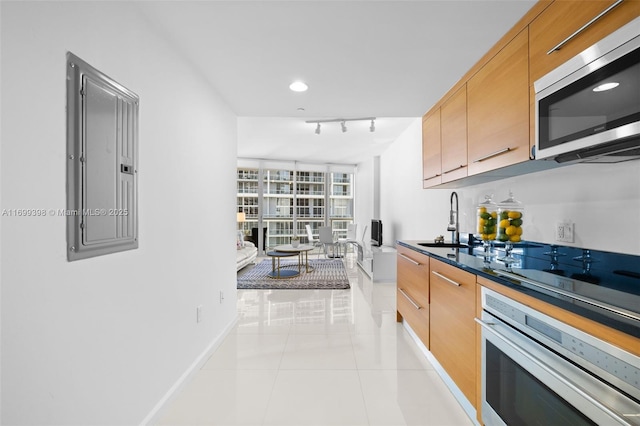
column 343, row 123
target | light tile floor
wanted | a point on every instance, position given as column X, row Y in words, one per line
column 317, row 357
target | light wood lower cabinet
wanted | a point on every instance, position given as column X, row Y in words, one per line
column 452, row 336
column 413, row 291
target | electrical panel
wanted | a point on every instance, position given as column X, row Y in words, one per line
column 102, row 163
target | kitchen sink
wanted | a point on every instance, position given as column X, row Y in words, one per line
column 444, row 245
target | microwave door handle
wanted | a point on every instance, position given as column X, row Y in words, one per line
column 584, row 27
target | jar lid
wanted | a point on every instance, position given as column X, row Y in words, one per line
column 511, row 202
column 488, row 202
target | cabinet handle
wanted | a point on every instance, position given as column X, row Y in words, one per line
column 409, row 259
column 454, row 169
column 493, row 154
column 415, row 305
column 434, row 176
column 584, row 27
column 449, row 280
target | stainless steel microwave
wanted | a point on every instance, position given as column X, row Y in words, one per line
column 588, row 109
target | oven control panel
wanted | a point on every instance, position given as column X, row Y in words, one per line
column 619, row 367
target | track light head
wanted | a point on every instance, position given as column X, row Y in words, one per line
column 342, row 121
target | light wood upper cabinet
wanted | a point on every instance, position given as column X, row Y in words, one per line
column 431, row 153
column 498, row 109
column 452, row 324
column 561, row 19
column 453, row 122
column 412, row 296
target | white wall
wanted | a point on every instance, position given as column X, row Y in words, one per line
column 102, row 340
column 407, row 210
column 364, row 197
column 603, row 201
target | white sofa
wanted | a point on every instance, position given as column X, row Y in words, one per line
column 246, row 254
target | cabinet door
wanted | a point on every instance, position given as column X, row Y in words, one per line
column 413, row 291
column 431, row 154
column 561, row 19
column 453, row 122
column 498, row 109
column 452, row 333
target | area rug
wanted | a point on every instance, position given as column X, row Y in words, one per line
column 327, row 274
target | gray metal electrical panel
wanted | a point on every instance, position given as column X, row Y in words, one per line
column 102, row 163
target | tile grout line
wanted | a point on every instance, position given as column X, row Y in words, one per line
column 275, row 381
column 357, row 369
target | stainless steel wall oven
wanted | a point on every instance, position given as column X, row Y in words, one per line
column 537, row 370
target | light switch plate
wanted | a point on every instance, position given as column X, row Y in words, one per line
column 564, row 232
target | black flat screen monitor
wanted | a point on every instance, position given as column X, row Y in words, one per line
column 376, row 232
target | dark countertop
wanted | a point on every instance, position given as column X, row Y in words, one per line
column 610, row 279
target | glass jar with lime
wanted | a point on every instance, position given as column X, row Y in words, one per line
column 509, row 229
column 487, row 221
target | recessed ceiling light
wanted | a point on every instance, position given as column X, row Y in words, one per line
column 606, row 86
column 298, row 86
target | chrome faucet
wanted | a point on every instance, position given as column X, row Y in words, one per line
column 454, row 224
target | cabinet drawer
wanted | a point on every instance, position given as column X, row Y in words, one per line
column 417, row 316
column 413, row 275
column 452, row 334
column 563, row 18
column 413, row 291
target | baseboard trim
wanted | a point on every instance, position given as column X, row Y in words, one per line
column 448, row 381
column 155, row 414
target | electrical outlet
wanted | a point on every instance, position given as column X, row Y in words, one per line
column 564, row 232
column 199, row 313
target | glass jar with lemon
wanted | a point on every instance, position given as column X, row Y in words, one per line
column 509, row 229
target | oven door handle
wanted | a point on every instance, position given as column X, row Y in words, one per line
column 491, row 328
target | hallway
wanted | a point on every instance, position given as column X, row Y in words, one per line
column 317, row 357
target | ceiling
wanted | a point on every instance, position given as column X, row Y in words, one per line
column 385, row 59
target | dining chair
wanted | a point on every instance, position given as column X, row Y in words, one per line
column 325, row 236
column 312, row 240
column 352, row 237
